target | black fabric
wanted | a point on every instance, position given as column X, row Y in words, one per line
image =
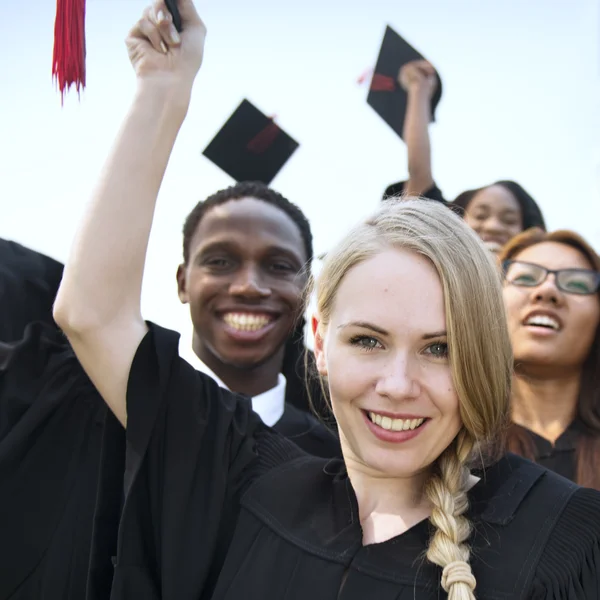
column 308, row 433
column 29, row 282
column 560, row 457
column 50, row 438
column 397, row 190
column 222, row 507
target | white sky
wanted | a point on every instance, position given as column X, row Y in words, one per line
column 521, row 101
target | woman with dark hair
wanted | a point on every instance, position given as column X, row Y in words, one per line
column 552, row 297
column 497, row 212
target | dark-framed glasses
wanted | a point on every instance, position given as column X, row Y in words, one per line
column 571, row 281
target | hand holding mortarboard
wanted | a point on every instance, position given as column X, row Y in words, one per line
column 418, row 77
column 69, row 52
column 156, row 47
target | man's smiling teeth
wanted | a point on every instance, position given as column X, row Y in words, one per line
column 246, row 321
column 543, row 321
column 395, row 424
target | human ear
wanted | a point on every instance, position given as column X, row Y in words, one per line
column 319, row 346
column 182, row 284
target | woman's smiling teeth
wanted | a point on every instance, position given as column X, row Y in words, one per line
column 543, row 321
column 395, row 424
column 246, row 321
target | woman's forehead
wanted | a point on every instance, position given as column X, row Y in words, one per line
column 396, row 289
column 554, row 255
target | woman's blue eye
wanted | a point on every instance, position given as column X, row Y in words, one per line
column 365, row 342
column 438, row 350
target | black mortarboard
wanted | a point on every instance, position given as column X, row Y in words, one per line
column 250, row 146
column 386, row 96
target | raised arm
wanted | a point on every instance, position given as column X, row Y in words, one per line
column 98, row 304
column 419, row 80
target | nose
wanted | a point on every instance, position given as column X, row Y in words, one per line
column 547, row 291
column 398, row 380
column 493, row 225
column 247, row 283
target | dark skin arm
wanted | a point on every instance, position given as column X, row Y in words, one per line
column 419, row 80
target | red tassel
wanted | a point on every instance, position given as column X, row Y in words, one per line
column 364, row 76
column 68, row 60
column 382, row 83
column 263, row 140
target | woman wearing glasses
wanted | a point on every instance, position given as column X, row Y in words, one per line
column 552, row 298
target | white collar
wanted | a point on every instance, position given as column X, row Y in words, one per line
column 269, row 405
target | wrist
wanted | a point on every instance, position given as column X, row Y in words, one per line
column 167, row 96
column 420, row 92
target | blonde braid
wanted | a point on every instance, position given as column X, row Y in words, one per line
column 447, row 491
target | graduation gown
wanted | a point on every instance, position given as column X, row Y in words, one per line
column 220, row 507
column 51, row 438
column 51, row 420
column 29, row 282
column 433, row 193
column 308, row 433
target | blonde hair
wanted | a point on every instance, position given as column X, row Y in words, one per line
column 479, row 349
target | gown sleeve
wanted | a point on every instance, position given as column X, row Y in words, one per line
column 191, row 450
column 50, row 433
column 569, row 568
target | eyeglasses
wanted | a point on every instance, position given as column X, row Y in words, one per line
column 571, row 281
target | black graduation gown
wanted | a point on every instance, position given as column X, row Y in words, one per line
column 220, row 507
column 51, row 420
column 308, row 433
column 560, row 457
column 51, row 438
column 397, row 189
column 29, row 282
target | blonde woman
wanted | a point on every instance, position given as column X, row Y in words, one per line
column 417, row 362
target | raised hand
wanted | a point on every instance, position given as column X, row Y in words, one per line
column 418, row 75
column 158, row 52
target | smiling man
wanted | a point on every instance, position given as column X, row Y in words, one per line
column 247, row 252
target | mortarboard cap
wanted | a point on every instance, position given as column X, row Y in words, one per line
column 386, row 96
column 250, row 146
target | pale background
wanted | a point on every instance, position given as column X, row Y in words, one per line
column 521, row 101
